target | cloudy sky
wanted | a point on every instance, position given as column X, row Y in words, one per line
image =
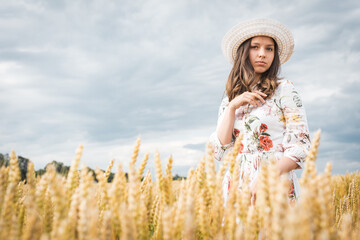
column 103, row 73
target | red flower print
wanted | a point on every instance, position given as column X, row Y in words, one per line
column 265, row 142
column 263, row 127
column 236, row 132
column 291, row 195
column 241, row 148
column 291, row 189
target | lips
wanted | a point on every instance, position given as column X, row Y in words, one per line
column 260, row 63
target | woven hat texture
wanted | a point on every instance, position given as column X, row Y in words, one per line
column 258, row 27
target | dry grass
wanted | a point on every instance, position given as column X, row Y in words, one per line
column 76, row 207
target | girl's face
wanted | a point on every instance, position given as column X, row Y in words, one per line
column 261, row 53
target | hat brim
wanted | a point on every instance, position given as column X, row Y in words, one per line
column 258, row 27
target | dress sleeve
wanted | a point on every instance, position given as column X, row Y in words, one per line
column 220, row 150
column 296, row 141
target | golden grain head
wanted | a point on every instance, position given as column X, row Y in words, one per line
column 193, row 208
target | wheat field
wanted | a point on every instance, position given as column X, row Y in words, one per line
column 52, row 206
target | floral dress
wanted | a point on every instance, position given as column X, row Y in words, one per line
column 277, row 128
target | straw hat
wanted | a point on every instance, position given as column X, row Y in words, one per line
column 258, row 27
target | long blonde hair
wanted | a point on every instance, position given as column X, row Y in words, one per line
column 242, row 75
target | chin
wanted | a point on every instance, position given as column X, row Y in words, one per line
column 260, row 72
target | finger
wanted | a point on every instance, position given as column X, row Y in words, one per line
column 254, row 100
column 251, row 101
column 261, row 93
column 261, row 99
column 257, row 95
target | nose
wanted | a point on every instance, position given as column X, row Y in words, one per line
column 261, row 52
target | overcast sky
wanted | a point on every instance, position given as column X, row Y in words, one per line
column 103, row 73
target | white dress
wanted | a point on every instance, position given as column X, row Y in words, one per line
column 277, row 128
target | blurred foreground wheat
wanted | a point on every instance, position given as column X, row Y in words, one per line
column 76, row 207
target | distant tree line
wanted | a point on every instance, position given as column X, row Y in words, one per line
column 59, row 167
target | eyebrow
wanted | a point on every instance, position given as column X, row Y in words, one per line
column 268, row 45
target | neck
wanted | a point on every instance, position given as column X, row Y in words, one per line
column 255, row 81
column 257, row 77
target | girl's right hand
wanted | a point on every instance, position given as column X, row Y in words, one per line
column 254, row 98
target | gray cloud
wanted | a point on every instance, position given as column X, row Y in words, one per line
column 105, row 72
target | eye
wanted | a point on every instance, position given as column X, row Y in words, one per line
column 270, row 49
column 254, row 47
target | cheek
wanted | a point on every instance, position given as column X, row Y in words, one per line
column 252, row 57
column 272, row 57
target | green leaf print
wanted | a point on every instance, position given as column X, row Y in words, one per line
column 252, row 119
column 265, row 134
column 280, row 101
column 245, row 159
column 297, row 99
column 247, row 127
column 278, row 104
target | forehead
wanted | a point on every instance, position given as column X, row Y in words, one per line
column 263, row 40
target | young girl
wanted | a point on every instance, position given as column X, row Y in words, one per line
column 265, row 109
